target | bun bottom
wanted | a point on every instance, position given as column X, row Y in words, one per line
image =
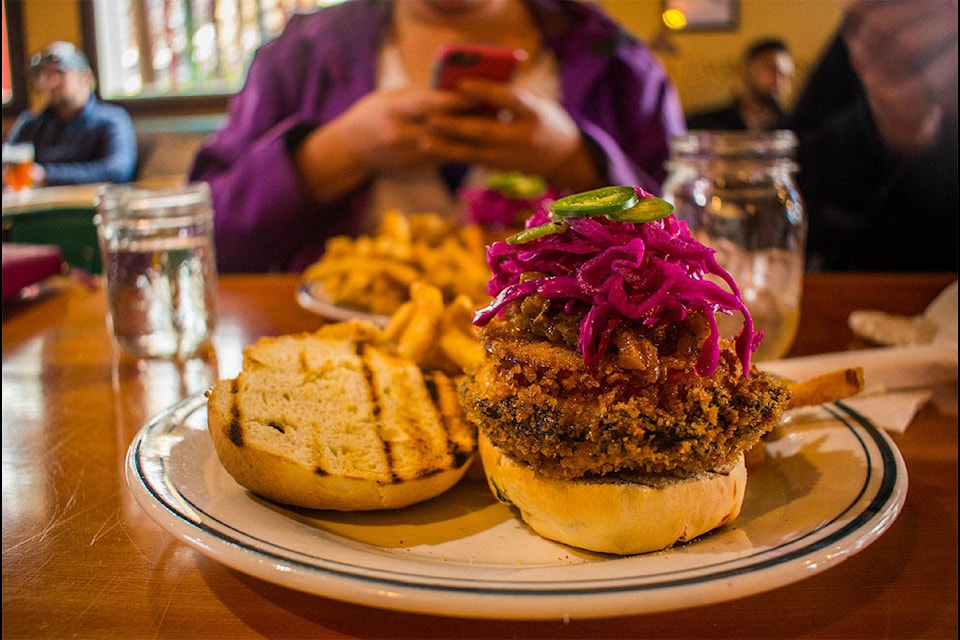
column 623, row 518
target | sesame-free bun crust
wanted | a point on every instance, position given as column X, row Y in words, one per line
column 622, row 518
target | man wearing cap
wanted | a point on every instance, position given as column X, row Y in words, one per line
column 77, row 138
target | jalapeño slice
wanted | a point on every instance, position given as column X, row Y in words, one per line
column 646, row 210
column 539, row 231
column 517, row 185
column 598, row 202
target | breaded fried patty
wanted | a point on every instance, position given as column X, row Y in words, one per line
column 640, row 410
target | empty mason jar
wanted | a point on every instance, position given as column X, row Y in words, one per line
column 736, row 192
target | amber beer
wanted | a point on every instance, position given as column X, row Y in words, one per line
column 18, row 165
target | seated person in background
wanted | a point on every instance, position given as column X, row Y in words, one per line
column 77, row 139
column 877, row 129
column 766, row 77
column 338, row 122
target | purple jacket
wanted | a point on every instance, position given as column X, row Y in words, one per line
column 612, row 86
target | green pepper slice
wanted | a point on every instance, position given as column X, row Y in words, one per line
column 516, row 185
column 646, row 210
column 539, row 231
column 598, row 202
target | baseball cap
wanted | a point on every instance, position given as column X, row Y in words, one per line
column 59, row 54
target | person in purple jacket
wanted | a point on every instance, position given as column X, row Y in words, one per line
column 337, row 121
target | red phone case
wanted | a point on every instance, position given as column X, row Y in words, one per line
column 457, row 61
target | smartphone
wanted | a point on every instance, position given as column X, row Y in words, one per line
column 466, row 60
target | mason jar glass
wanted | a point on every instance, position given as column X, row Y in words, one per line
column 160, row 268
column 736, row 192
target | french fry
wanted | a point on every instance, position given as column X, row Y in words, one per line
column 827, row 387
column 399, row 321
column 458, row 339
column 433, row 335
column 395, row 227
column 462, row 349
column 824, row 388
column 459, row 314
column 473, row 239
column 417, row 340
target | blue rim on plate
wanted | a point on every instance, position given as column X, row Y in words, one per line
column 830, row 486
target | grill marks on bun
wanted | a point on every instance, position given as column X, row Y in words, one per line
column 409, row 411
column 334, row 423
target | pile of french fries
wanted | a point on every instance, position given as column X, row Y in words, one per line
column 375, row 273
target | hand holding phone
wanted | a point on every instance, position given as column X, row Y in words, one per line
column 467, row 60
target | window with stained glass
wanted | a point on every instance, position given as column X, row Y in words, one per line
column 183, row 48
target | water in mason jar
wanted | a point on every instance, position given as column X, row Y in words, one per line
column 736, row 192
column 769, row 282
column 162, row 295
column 755, row 239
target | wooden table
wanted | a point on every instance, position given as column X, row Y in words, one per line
column 82, row 559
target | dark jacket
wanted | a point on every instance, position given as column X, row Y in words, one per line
column 869, row 209
column 98, row 145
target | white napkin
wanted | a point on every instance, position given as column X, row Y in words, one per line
column 897, row 380
column 936, row 325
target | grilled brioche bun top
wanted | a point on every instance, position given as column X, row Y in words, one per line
column 618, row 515
column 327, row 422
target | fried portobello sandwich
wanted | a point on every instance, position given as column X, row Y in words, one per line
column 611, row 412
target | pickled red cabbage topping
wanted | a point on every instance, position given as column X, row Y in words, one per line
column 651, row 272
column 507, row 199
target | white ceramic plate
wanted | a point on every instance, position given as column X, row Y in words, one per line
column 312, row 296
column 827, row 490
